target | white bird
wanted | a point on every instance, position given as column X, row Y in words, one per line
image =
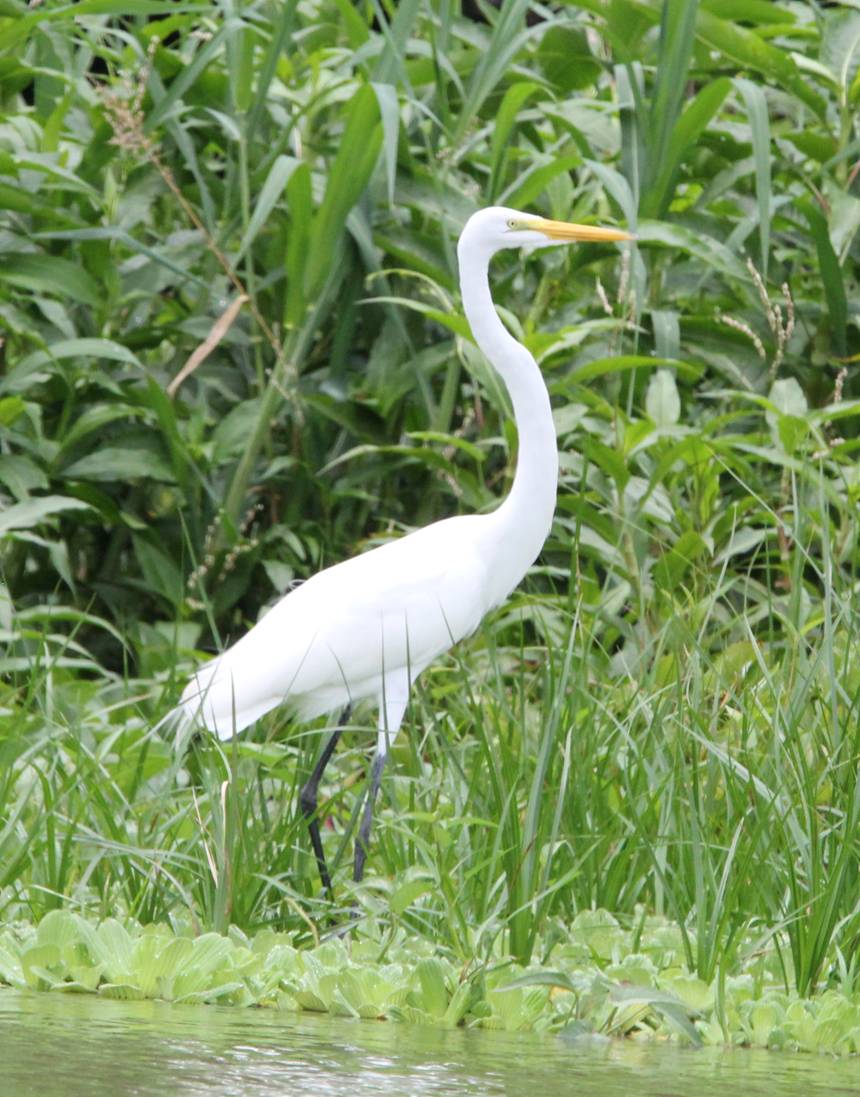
column 367, row 627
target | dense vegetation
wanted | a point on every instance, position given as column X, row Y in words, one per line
column 233, row 353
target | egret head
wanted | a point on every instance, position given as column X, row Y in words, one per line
column 489, row 230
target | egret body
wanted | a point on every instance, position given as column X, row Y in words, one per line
column 367, row 627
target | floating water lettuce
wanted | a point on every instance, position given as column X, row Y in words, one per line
column 601, row 979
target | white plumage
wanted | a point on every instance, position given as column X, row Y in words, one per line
column 336, row 638
column 366, row 628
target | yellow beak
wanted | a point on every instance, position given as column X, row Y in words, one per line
column 564, row 230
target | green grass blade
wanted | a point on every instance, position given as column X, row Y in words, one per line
column 186, row 79
column 696, row 117
column 507, row 37
column 349, row 175
column 831, row 275
column 756, row 105
column 675, row 51
column 271, row 192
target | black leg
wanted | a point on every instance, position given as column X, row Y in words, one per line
column 367, row 817
column 308, row 799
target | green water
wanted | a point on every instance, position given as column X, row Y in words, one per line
column 66, row 1045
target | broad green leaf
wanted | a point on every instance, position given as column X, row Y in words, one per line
column 840, row 46
column 50, row 274
column 57, row 176
column 622, row 362
column 11, row 407
column 453, row 321
column 157, row 255
column 130, row 7
column 814, row 144
column 844, row 410
column 94, row 418
column 231, row 434
column 21, row 475
column 673, row 565
column 111, row 945
column 566, row 60
column 58, row 929
column 406, row 894
column 742, row 45
column 843, row 220
column 619, row 188
column 469, row 448
column 354, row 25
column 788, row 422
column 787, row 397
column 712, row 253
column 667, row 333
column 77, row 348
column 123, row 463
column 742, row 541
column 29, row 514
column 662, row 402
column 13, row 198
column 751, row 11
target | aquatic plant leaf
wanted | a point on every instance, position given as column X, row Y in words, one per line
column 11, row 970
column 40, row 966
column 545, row 978
column 695, row 993
column 515, row 1008
column 462, row 1000
column 634, row 968
column 111, row 945
column 125, row 992
column 214, row 994
column 636, row 1002
column 599, row 931
column 434, row 990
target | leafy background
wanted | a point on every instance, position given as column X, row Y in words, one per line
column 664, row 719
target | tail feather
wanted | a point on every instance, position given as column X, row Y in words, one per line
column 180, row 723
column 212, row 700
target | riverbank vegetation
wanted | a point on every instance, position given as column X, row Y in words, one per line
column 233, row 354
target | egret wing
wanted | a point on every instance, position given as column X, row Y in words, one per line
column 335, row 638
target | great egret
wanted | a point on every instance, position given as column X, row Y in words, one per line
column 367, row 627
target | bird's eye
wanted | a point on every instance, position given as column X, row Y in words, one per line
column 512, row 224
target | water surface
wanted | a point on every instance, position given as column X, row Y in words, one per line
column 65, row 1045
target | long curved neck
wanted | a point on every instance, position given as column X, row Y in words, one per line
column 521, row 523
